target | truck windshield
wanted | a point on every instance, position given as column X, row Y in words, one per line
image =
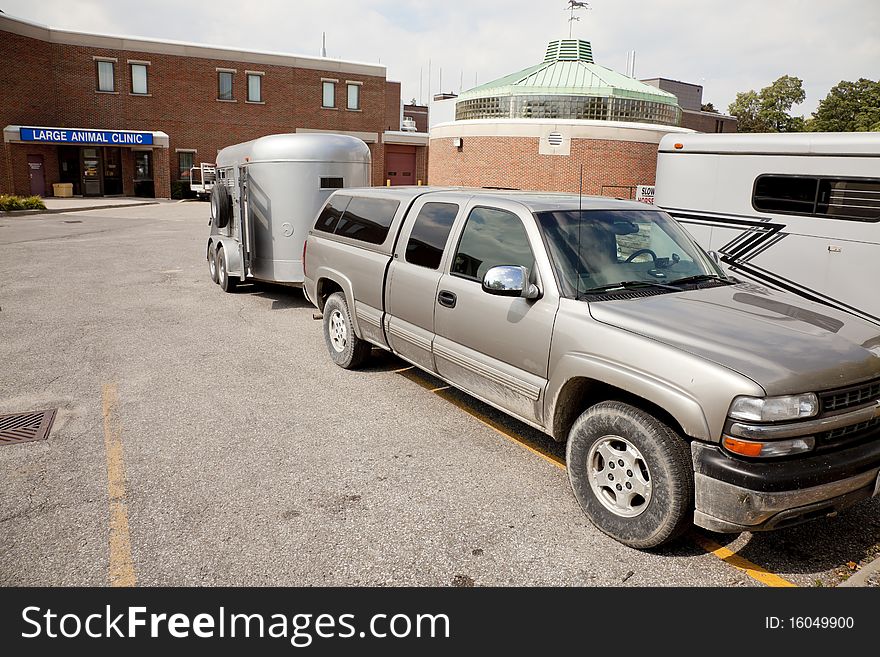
column 597, row 251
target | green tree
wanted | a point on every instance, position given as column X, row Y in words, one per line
column 746, row 108
column 849, row 107
column 769, row 110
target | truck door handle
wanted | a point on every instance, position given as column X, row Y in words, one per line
column 447, row 298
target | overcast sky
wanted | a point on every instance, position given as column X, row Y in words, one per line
column 725, row 46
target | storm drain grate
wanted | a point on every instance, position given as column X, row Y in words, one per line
column 25, row 427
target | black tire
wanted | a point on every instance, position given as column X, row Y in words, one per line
column 221, row 206
column 663, row 461
column 227, row 283
column 212, row 260
column 346, row 349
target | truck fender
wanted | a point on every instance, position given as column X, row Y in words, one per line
column 233, row 256
column 576, row 369
column 325, row 274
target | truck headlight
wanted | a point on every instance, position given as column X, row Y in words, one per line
column 774, row 409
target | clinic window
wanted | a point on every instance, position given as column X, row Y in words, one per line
column 328, row 95
column 354, row 97
column 491, row 238
column 224, row 85
column 139, row 79
column 106, row 76
column 255, row 88
column 184, row 164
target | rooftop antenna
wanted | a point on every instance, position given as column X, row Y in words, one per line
column 572, row 7
column 323, row 44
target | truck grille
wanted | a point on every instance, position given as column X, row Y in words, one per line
column 837, row 434
column 838, row 400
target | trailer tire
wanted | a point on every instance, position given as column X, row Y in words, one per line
column 221, row 206
column 212, row 261
column 227, row 283
column 346, row 349
column 649, row 499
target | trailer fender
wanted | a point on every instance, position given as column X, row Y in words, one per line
column 233, row 256
column 327, row 279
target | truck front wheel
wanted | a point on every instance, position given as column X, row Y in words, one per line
column 631, row 474
column 346, row 349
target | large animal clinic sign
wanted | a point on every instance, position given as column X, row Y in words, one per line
column 68, row 136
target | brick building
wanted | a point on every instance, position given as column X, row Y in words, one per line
column 690, row 99
column 544, row 126
column 130, row 116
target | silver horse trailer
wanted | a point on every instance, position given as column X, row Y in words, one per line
column 798, row 212
column 266, row 196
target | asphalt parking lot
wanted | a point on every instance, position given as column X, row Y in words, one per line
column 205, row 438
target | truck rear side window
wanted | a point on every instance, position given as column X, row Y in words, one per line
column 491, row 238
column 853, row 199
column 429, row 234
column 332, row 212
column 367, row 219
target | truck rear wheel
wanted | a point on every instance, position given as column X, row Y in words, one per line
column 226, row 282
column 631, row 474
column 346, row 349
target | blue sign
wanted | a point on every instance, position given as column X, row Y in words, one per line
column 68, row 136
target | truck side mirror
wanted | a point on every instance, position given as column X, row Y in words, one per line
column 510, row 281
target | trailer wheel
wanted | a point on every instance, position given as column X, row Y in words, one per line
column 631, row 474
column 226, row 282
column 221, row 206
column 346, row 349
column 212, row 261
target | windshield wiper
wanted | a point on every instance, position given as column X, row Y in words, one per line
column 699, row 278
column 630, row 285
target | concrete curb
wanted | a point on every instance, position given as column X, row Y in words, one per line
column 861, row 577
column 26, row 213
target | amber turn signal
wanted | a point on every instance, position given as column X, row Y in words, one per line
column 743, row 447
column 678, row 147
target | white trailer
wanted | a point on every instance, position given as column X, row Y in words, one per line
column 266, row 197
column 798, row 212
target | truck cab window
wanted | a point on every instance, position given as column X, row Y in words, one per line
column 491, row 237
column 429, row 234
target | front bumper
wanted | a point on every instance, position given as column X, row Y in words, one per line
column 734, row 495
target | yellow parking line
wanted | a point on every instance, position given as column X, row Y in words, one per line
column 121, row 568
column 403, row 369
column 753, row 570
column 740, row 563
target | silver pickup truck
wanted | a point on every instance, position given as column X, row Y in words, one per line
column 684, row 396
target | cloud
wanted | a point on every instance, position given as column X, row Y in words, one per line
column 726, row 47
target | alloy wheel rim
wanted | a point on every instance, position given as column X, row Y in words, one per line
column 619, row 476
column 338, row 331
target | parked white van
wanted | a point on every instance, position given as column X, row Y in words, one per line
column 797, row 212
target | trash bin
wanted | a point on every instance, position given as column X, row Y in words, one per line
column 62, row 190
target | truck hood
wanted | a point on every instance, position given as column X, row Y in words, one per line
column 782, row 342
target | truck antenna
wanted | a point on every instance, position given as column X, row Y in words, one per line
column 577, row 284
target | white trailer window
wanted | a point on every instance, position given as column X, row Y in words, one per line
column 854, row 199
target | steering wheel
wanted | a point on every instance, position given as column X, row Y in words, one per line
column 636, row 254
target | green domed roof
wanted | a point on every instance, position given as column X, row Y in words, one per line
column 568, row 69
